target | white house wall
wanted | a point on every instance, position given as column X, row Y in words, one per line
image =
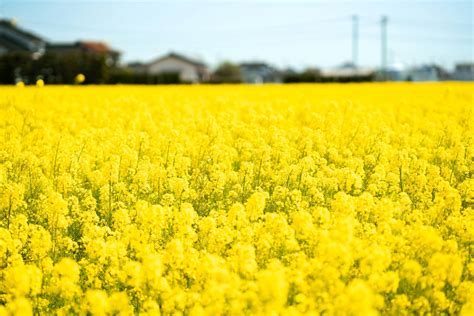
column 187, row 71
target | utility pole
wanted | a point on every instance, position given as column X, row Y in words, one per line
column 355, row 39
column 383, row 25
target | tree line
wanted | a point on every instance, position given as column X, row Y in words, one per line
column 62, row 68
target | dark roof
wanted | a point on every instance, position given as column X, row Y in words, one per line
column 181, row 57
column 11, row 45
column 253, row 64
column 136, row 64
column 96, row 47
column 90, row 46
column 257, row 66
column 61, row 46
column 12, row 25
column 465, row 66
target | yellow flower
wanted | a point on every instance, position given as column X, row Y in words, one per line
column 39, row 241
column 360, row 299
column 273, row 286
column 20, row 306
column 97, row 302
column 411, row 271
column 65, row 278
column 23, row 280
column 255, row 205
column 80, row 78
column 281, row 200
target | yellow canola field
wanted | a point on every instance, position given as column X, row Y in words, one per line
column 210, row 200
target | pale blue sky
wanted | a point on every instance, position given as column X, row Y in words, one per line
column 285, row 33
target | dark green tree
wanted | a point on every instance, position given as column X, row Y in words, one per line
column 227, row 72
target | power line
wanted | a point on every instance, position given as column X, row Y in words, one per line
column 397, row 36
column 300, row 31
column 434, row 22
column 311, row 22
column 419, row 21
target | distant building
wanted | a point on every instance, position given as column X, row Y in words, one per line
column 258, row 72
column 15, row 39
column 136, row 67
column 86, row 47
column 188, row 70
column 463, row 72
column 427, row 73
column 396, row 72
column 348, row 73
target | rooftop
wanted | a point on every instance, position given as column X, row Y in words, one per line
column 92, row 46
column 11, row 24
column 181, row 57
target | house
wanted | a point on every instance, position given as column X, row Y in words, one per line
column 15, row 39
column 396, row 72
column 258, row 72
column 463, row 72
column 348, row 72
column 86, row 47
column 427, row 73
column 136, row 67
column 188, row 70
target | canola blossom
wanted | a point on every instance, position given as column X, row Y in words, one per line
column 237, row 200
column 80, row 78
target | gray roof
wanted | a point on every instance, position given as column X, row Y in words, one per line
column 348, row 72
column 11, row 25
column 180, row 57
column 11, row 45
column 14, row 39
column 254, row 65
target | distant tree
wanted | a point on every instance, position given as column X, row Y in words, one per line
column 168, row 78
column 308, row 75
column 14, row 67
column 127, row 76
column 53, row 68
column 227, row 72
column 311, row 75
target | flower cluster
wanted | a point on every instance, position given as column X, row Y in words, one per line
column 303, row 199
